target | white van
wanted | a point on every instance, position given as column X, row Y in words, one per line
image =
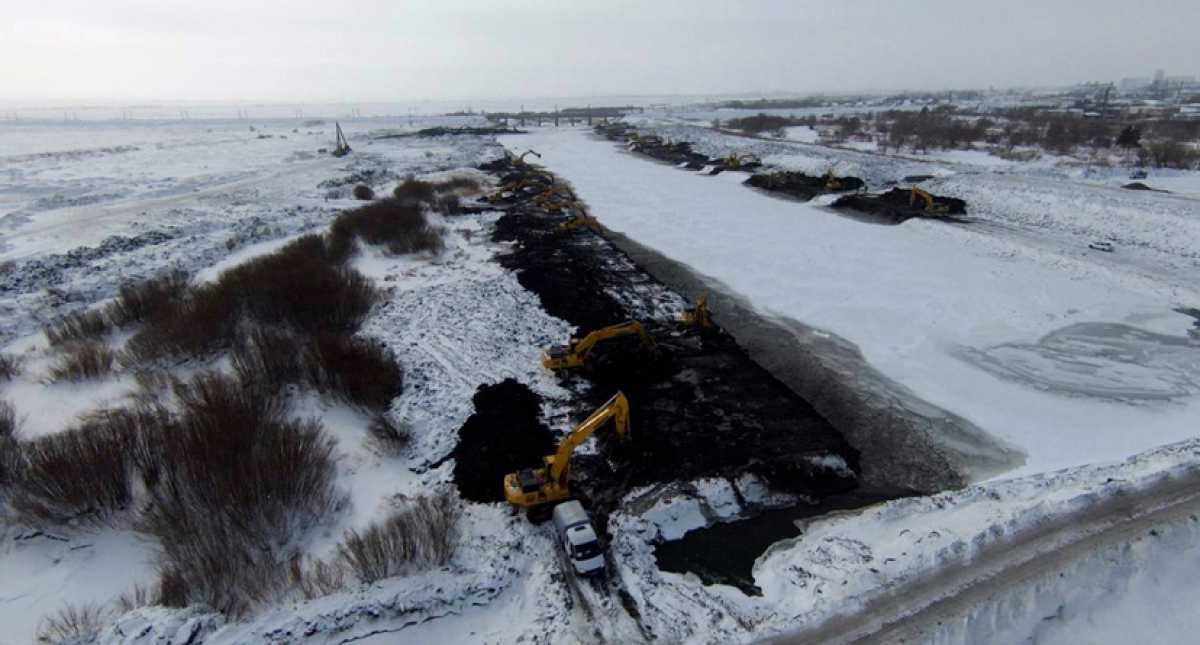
column 575, row 532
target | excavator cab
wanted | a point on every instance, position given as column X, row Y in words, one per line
column 537, row 489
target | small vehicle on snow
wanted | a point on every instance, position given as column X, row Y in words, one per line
column 1107, row 247
column 574, row 531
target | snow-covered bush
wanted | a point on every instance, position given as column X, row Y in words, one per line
column 235, row 481
column 72, row 624
column 10, row 366
column 83, row 475
column 398, row 225
column 137, row 302
column 83, row 360
column 419, row 535
column 78, row 326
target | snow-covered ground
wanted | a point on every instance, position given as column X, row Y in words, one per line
column 1076, row 356
column 1073, row 355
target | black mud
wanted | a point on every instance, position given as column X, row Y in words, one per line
column 725, row 553
column 802, row 186
column 504, row 435
column 705, row 409
column 897, row 206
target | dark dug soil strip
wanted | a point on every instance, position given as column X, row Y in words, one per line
column 706, row 409
column 897, row 206
column 802, row 186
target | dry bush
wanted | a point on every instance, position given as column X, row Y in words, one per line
column 358, row 371
column 10, row 455
column 234, row 482
column 390, row 437
column 301, row 287
column 10, row 366
column 136, row 598
column 71, row 624
column 83, row 360
column 419, row 535
column 272, row 356
column 83, row 474
column 78, row 326
column 363, row 192
column 319, row 578
column 413, row 192
column 398, row 225
column 448, row 205
column 138, row 302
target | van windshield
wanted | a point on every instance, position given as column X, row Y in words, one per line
column 587, row 550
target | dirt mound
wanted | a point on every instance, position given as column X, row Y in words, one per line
column 802, row 186
column 504, row 435
column 899, row 204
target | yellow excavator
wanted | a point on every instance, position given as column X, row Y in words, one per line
column 832, row 184
column 738, row 160
column 931, row 206
column 697, row 316
column 538, row 489
column 575, row 353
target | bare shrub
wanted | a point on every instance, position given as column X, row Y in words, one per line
column 136, row 598
column 421, row 534
column 201, row 323
column 359, row 371
column 363, row 192
column 272, row 356
column 319, row 578
column 396, row 224
column 83, row 474
column 141, row 301
column 83, row 360
column 10, row 366
column 10, row 455
column 448, row 205
column 414, row 191
column 235, row 481
column 301, row 287
column 71, row 624
column 78, row 326
column 390, row 437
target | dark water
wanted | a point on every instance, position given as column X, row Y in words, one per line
column 725, row 553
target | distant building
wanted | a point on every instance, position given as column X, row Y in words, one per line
column 1134, row 84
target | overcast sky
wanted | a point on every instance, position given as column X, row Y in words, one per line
column 401, row 50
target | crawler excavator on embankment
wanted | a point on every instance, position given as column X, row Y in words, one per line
column 538, row 489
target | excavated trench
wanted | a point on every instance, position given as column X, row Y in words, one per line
column 702, row 407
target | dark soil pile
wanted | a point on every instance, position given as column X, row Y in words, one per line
column 897, row 205
column 504, row 435
column 800, row 185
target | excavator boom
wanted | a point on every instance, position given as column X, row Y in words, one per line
column 617, row 409
column 575, row 354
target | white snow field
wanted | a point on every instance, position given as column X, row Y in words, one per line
column 1073, row 355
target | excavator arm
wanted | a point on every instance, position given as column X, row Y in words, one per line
column 616, row 409
column 931, row 206
column 575, row 354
